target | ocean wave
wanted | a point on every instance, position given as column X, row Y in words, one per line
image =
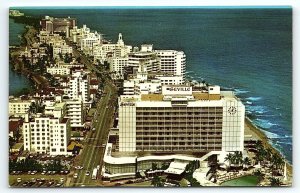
column 256, row 109
column 271, row 135
column 284, row 142
column 249, row 103
column 264, row 123
column 254, row 98
column 240, row 91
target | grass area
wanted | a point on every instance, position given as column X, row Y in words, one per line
column 140, row 184
column 242, row 181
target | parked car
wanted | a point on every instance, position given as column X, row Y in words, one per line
column 19, row 180
column 75, row 176
column 78, row 167
column 87, row 173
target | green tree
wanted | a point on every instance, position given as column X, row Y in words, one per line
column 246, row 162
column 274, row 181
column 259, row 174
column 157, row 181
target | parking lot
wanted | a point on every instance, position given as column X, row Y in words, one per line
column 37, row 180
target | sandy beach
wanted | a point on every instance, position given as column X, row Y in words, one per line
column 251, row 129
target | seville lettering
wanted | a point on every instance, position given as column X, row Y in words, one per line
column 180, row 88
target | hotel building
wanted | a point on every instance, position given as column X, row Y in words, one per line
column 172, row 62
column 181, row 119
column 47, row 134
column 51, row 24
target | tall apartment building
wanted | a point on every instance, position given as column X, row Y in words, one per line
column 89, row 40
column 46, row 134
column 79, row 86
column 172, row 62
column 148, row 59
column 181, row 119
column 75, row 112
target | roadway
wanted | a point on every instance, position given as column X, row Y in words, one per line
column 93, row 151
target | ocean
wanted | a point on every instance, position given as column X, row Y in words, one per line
column 248, row 51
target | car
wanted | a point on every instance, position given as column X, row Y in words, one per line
column 66, row 171
column 58, row 185
column 78, row 167
column 75, row 176
column 62, row 179
column 25, row 184
column 33, row 172
column 29, row 172
column 44, row 172
column 50, row 183
column 19, row 180
column 104, row 145
column 94, row 129
column 87, row 173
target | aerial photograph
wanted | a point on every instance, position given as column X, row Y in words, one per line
column 150, row 97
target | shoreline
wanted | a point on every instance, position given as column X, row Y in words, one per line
column 17, row 66
column 253, row 129
column 39, row 80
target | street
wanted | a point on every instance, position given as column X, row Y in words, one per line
column 93, row 150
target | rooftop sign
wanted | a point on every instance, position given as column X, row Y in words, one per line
column 177, row 90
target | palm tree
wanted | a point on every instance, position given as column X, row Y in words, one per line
column 229, row 157
column 12, row 141
column 157, row 181
column 259, row 174
column 277, row 162
column 238, row 157
column 246, row 162
column 275, row 181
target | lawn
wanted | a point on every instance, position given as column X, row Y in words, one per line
column 242, row 181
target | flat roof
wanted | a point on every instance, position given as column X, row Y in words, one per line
column 152, row 97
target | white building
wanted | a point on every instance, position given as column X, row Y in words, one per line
column 18, row 106
column 88, row 41
column 58, row 70
column 149, row 59
column 181, row 119
column 47, row 135
column 108, row 51
column 75, row 112
column 172, row 62
column 79, row 86
column 61, row 49
column 117, row 66
column 167, row 79
column 57, row 109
